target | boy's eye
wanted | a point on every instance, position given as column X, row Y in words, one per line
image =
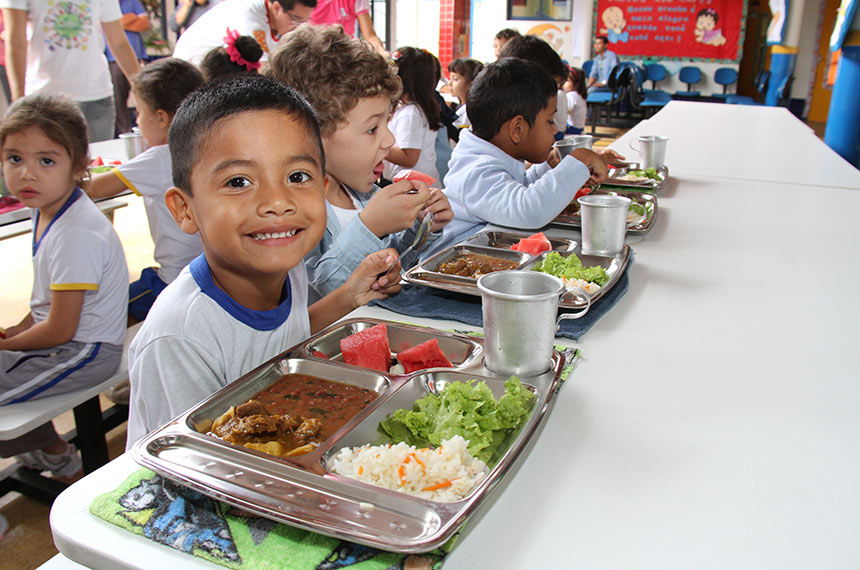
column 46, row 161
column 299, row 177
column 13, row 158
column 373, row 129
column 238, row 182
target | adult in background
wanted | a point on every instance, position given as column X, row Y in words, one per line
column 346, row 13
column 134, row 20
column 63, row 51
column 264, row 20
column 604, row 61
column 189, row 11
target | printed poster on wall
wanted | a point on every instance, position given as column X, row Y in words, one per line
column 776, row 28
column 672, row 29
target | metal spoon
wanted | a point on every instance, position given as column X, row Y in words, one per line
column 420, row 239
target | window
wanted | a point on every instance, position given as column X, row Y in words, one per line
column 540, row 9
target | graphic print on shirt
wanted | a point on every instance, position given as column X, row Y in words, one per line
column 68, row 25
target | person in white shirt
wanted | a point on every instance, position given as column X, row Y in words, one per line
column 577, row 108
column 264, row 20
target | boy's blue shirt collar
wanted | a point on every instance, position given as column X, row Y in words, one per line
column 259, row 320
column 73, row 197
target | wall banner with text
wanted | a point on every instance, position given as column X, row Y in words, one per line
column 673, row 29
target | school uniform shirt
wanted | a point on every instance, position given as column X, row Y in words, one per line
column 576, row 110
column 343, row 12
column 462, row 119
column 248, row 17
column 79, row 250
column 197, row 339
column 149, row 175
column 65, row 46
column 485, row 185
column 411, row 130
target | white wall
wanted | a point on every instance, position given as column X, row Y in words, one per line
column 416, row 24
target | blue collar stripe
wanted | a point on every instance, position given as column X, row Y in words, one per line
column 73, row 197
column 258, row 320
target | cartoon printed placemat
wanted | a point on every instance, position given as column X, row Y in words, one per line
column 186, row 520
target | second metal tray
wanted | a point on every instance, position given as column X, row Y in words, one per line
column 569, row 218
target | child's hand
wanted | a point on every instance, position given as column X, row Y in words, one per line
column 441, row 208
column 554, row 158
column 366, row 283
column 593, row 161
column 2, row 332
column 393, row 209
column 610, row 155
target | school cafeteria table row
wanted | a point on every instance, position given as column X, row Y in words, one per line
column 712, row 423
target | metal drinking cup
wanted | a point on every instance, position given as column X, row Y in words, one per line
column 520, row 323
column 134, row 144
column 566, row 145
column 652, row 151
column 604, row 223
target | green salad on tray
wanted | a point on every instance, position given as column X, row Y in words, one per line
column 571, row 268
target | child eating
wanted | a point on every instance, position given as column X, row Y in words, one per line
column 249, row 175
column 353, row 88
column 72, row 337
column 511, row 106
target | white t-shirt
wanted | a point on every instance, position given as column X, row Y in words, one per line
column 560, row 117
column 248, row 17
column 196, row 340
column 462, row 119
column 65, row 46
column 79, row 250
column 411, row 130
column 577, row 109
column 149, row 175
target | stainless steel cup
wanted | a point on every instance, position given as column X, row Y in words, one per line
column 519, row 309
column 604, row 223
column 566, row 145
column 652, row 151
column 134, row 144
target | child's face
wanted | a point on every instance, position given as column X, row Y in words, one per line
column 258, row 196
column 537, row 144
column 704, row 22
column 38, row 171
column 459, row 86
column 498, row 44
column 154, row 124
column 354, row 152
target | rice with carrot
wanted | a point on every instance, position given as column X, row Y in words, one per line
column 445, row 474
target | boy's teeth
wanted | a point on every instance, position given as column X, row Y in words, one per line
column 275, row 235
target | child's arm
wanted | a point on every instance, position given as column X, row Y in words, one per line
column 25, row 323
column 369, row 281
column 104, row 185
column 393, row 209
column 440, row 207
column 58, row 328
column 407, row 157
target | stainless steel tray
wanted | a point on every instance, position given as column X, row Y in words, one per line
column 300, row 491
column 619, row 170
column 504, row 240
column 570, row 217
column 424, row 273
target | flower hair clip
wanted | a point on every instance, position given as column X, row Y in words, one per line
column 233, row 52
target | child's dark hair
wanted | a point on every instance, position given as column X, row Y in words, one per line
column 506, row 88
column 417, row 73
column 534, row 49
column 708, row 12
column 577, row 77
column 507, row 34
column 58, row 117
column 242, row 55
column 468, row 68
column 223, row 98
column 164, row 83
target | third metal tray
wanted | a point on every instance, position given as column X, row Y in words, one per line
column 569, row 218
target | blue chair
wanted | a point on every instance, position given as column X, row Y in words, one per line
column 586, row 67
column 724, row 76
column 654, row 72
column 689, row 75
column 762, row 79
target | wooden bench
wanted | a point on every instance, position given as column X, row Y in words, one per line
column 91, row 427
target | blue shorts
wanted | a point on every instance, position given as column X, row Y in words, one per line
column 142, row 293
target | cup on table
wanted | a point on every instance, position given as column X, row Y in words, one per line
column 652, row 151
column 567, row 145
column 519, row 309
column 604, row 223
column 134, row 144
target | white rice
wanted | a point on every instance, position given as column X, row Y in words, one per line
column 587, row 286
column 404, row 468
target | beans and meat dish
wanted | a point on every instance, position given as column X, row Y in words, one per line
column 292, row 416
column 475, row 265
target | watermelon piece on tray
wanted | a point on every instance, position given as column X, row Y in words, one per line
column 535, row 244
column 424, row 355
column 368, row 348
column 413, row 175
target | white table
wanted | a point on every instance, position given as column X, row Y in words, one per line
column 713, row 422
column 767, row 144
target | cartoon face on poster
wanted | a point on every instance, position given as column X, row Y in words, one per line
column 553, row 35
column 683, row 29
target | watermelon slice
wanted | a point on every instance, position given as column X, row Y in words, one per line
column 319, row 354
column 413, row 175
column 535, row 244
column 368, row 348
column 424, row 355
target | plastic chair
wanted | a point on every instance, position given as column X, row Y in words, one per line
column 586, row 66
column 762, row 80
column 783, row 92
column 689, row 75
column 724, row 76
column 654, row 72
